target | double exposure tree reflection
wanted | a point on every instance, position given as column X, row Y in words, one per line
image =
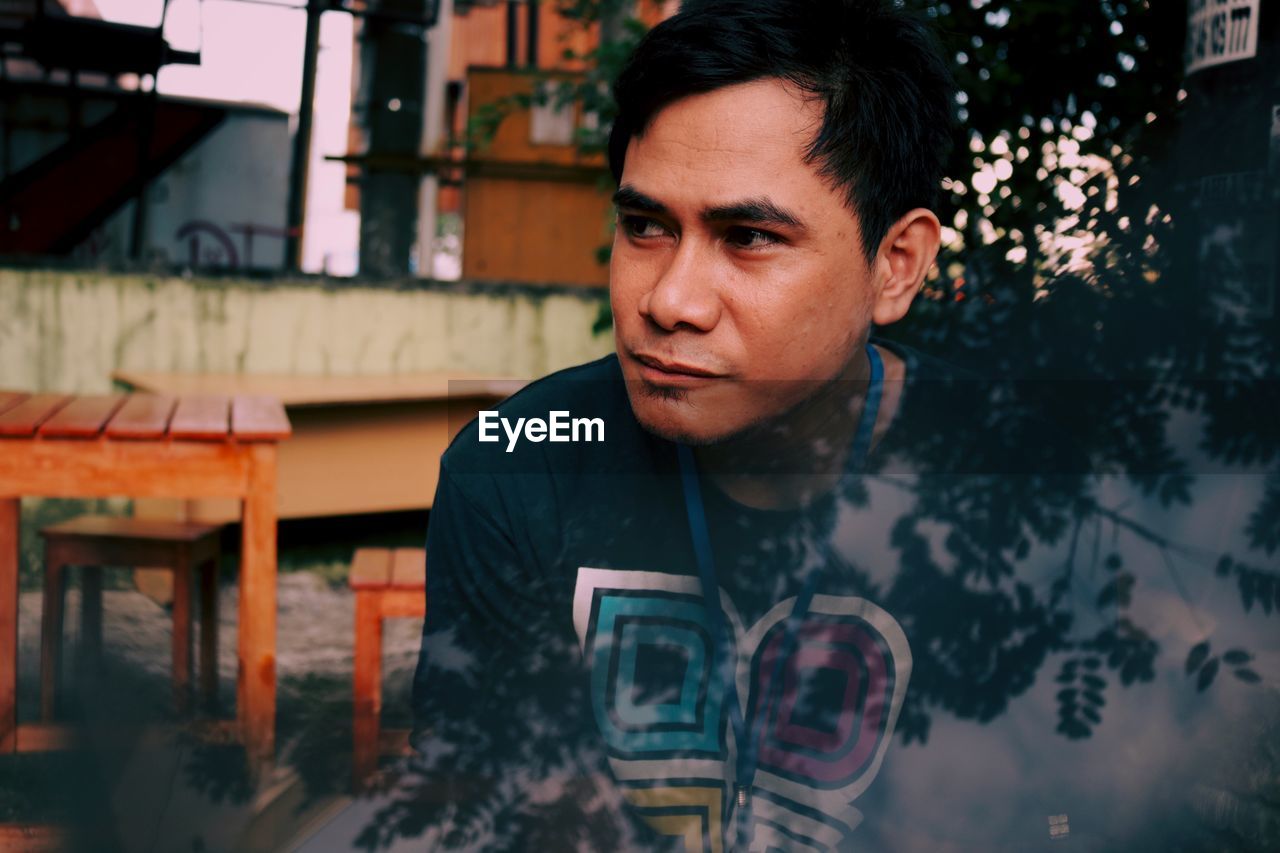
column 1038, row 532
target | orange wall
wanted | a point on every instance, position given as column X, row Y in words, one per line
column 511, row 143
column 545, row 232
column 480, row 38
column 533, row 213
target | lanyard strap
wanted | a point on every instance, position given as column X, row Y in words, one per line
column 724, row 653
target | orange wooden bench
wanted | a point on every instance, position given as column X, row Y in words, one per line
column 189, row 551
column 388, row 583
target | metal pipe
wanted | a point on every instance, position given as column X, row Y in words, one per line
column 531, row 53
column 295, row 216
column 513, row 35
column 146, row 129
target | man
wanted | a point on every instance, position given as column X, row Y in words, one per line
column 776, row 165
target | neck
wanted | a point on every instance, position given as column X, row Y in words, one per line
column 796, row 459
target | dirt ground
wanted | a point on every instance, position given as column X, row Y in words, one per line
column 137, row 786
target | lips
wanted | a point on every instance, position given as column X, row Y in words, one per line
column 660, row 371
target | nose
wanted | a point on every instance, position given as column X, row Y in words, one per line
column 685, row 294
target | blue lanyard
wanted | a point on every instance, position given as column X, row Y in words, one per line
column 748, row 739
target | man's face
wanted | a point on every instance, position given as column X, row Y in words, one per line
column 737, row 281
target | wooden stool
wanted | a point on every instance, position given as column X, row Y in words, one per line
column 93, row 541
column 387, row 583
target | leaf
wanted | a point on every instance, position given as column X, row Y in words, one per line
column 1207, row 674
column 1224, row 566
column 1199, row 653
column 1174, row 488
column 1091, row 713
column 1113, row 562
column 1124, row 589
column 1247, row 591
column 1073, row 728
column 1092, row 663
column 1236, row 657
column 1094, row 698
column 1248, row 676
column 1094, row 682
column 1134, row 669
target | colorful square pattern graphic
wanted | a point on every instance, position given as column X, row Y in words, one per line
column 661, row 707
column 624, row 623
column 820, row 756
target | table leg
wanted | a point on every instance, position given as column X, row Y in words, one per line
column 367, row 687
column 55, row 595
column 209, row 633
column 90, row 615
column 182, row 570
column 256, row 682
column 8, row 624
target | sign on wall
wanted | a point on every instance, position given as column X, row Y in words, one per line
column 1220, row 31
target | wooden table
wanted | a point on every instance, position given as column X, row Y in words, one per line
column 147, row 445
column 360, row 444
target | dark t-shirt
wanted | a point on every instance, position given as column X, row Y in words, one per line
column 566, row 625
column 567, row 698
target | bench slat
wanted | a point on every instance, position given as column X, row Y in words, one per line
column 142, row 416
column 409, row 568
column 203, row 416
column 83, row 417
column 24, row 418
column 370, row 569
column 113, row 527
column 258, row 418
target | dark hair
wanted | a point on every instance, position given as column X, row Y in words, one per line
column 886, row 127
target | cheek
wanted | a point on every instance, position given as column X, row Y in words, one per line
column 805, row 333
column 624, row 281
column 802, row 315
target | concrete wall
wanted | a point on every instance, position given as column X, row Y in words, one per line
column 221, row 206
column 68, row 330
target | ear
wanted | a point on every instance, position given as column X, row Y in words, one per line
column 906, row 253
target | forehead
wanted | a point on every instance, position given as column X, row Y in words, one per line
column 750, row 139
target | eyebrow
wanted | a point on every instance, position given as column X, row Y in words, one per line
column 757, row 211
column 633, row 199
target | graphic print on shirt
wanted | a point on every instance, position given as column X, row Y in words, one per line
column 672, row 747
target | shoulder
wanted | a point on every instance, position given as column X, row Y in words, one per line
column 923, row 367
column 932, row 391
column 957, row 419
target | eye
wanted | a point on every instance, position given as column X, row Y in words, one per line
column 641, row 227
column 742, row 237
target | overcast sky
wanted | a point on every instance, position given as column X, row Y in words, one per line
column 250, row 51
